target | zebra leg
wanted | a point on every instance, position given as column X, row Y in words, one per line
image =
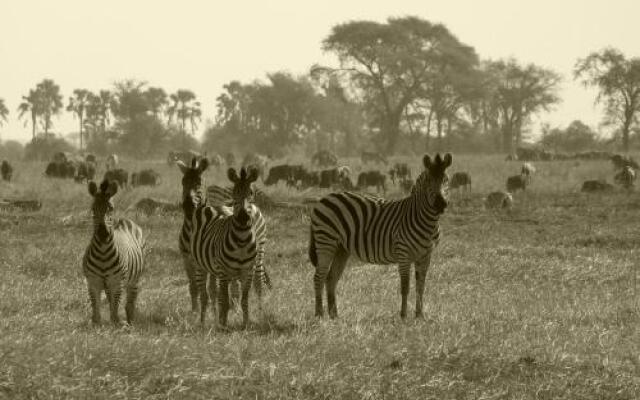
column 325, row 259
column 212, row 290
column 234, row 293
column 223, row 301
column 245, row 279
column 114, row 291
column 94, row 299
column 130, row 306
column 422, row 267
column 204, row 296
column 404, row 270
column 191, row 271
column 333, row 277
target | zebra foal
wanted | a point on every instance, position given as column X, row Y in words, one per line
column 379, row 231
column 114, row 258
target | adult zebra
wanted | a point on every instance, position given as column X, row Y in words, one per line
column 221, row 241
column 379, row 231
column 114, row 257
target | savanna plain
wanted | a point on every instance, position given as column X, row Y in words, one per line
column 537, row 302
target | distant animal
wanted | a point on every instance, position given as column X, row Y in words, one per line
column 375, row 230
column 114, row 259
column 284, row 172
column 257, row 161
column 400, row 171
column 625, row 178
column 65, row 169
column 406, row 185
column 91, row 158
column 216, row 160
column 460, row 180
column 6, row 170
column 150, row 206
column 528, row 170
column 230, row 159
column 619, row 162
column 118, row 175
column 516, row 182
column 368, row 156
column 371, row 178
column 324, row 158
column 146, row 177
column 111, row 162
column 309, row 179
column 62, row 157
column 499, row 200
column 184, row 156
column 86, row 171
column 227, row 243
column 593, row 186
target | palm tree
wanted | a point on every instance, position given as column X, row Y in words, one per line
column 4, row 112
column 181, row 108
column 195, row 115
column 50, row 100
column 30, row 105
column 78, row 106
column 156, row 100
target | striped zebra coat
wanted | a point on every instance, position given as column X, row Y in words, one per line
column 379, row 231
column 114, row 258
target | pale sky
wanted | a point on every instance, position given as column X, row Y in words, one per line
column 201, row 45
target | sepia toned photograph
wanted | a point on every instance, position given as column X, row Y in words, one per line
column 409, row 199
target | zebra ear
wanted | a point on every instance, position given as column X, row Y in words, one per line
column 447, row 160
column 426, row 160
column 112, row 189
column 183, row 167
column 204, row 164
column 93, row 188
column 253, row 174
column 232, row 175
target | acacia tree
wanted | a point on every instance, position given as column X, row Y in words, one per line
column 78, row 105
column 520, row 92
column 50, row 102
column 31, row 106
column 390, row 62
column 618, row 81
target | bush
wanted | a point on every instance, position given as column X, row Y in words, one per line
column 42, row 148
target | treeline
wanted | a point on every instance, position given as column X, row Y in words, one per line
column 406, row 85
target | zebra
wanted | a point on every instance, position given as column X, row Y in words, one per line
column 379, row 231
column 115, row 256
column 192, row 182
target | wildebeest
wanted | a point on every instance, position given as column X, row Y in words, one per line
column 62, row 157
column 324, row 158
column 400, row 171
column 309, row 179
column 285, row 172
column 499, row 200
column 372, row 178
column 65, row 169
column 406, row 185
column 91, row 158
column 146, row 177
column 460, row 179
column 117, row 175
column 369, row 156
column 184, row 156
column 527, row 170
column 111, row 161
column 596, row 186
column 6, row 170
column 86, row 171
column 619, row 162
column 516, row 182
column 626, row 177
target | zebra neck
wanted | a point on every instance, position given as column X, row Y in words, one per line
column 240, row 235
column 420, row 210
column 102, row 236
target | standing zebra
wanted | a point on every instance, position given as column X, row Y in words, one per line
column 226, row 243
column 114, row 257
column 379, row 231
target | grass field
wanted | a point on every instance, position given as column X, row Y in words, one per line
column 541, row 302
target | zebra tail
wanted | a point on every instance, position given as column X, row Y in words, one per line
column 313, row 256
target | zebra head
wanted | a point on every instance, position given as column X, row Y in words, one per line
column 435, row 183
column 102, row 207
column 242, row 193
column 192, row 183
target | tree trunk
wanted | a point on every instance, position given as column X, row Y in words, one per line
column 625, row 131
column 428, row 138
column 392, row 132
column 81, row 132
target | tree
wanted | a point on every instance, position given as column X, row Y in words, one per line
column 30, row 105
column 618, row 81
column 156, row 100
column 183, row 107
column 4, row 112
column 391, row 62
column 98, row 115
column 50, row 102
column 519, row 93
column 78, row 105
column 576, row 137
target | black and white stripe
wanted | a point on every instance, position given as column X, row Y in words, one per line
column 114, row 258
column 379, row 231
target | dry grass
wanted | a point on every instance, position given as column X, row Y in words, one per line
column 537, row 303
